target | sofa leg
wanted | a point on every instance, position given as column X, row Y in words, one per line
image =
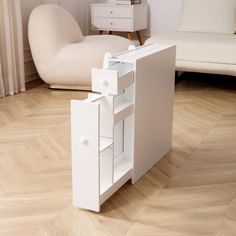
column 178, row 76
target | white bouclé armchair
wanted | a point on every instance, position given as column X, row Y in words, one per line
column 62, row 55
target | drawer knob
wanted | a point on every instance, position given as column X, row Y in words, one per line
column 111, row 12
column 84, row 141
column 104, row 83
column 111, row 23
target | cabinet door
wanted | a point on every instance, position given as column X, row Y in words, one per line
column 154, row 94
column 85, row 154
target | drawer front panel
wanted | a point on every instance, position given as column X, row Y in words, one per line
column 104, row 81
column 113, row 24
column 113, row 12
column 107, row 81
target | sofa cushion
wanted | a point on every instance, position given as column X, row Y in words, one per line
column 200, row 47
column 210, row 16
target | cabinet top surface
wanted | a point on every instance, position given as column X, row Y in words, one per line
column 139, row 52
column 117, row 5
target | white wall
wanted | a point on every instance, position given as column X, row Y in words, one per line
column 80, row 9
column 164, row 15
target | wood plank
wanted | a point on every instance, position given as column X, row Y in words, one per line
column 35, row 169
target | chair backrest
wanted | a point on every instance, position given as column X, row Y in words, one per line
column 51, row 28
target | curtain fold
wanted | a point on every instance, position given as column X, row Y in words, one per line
column 12, row 77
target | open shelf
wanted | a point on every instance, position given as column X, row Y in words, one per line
column 122, row 68
column 123, row 110
column 104, row 186
column 122, row 173
column 122, row 165
column 105, row 143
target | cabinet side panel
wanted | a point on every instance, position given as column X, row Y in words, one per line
column 154, row 94
column 85, row 154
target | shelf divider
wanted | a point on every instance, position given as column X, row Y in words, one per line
column 122, row 111
column 105, row 143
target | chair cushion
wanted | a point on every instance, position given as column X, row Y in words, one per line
column 210, row 16
column 72, row 64
column 200, row 47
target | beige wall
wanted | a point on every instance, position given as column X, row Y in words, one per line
column 80, row 9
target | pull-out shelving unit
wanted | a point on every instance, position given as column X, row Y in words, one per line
column 122, row 132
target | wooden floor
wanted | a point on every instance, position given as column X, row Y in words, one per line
column 191, row 191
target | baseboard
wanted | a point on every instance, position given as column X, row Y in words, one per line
column 70, row 87
column 34, row 83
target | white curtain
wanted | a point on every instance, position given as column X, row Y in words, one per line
column 12, row 78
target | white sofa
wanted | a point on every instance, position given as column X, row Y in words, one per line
column 205, row 38
column 62, row 55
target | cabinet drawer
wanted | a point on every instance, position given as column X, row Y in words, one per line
column 113, row 12
column 113, row 24
column 110, row 82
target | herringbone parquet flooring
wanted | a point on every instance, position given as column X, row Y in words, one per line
column 191, row 191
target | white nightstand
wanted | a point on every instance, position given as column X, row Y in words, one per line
column 123, row 18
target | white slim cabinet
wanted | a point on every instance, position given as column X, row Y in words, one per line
column 122, row 132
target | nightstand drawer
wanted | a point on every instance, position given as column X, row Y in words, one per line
column 112, row 24
column 113, row 12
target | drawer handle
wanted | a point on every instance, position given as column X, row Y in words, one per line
column 104, row 83
column 84, row 141
column 111, row 23
column 111, row 12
